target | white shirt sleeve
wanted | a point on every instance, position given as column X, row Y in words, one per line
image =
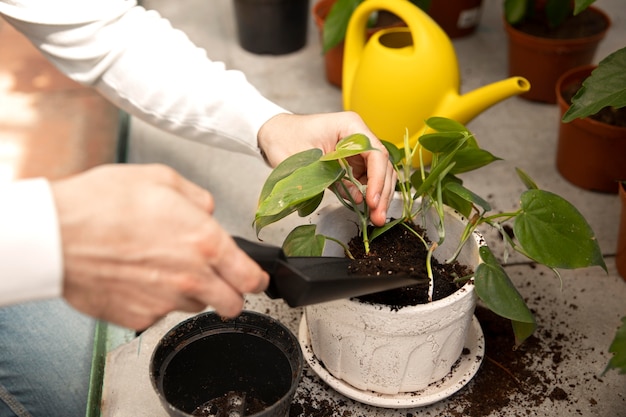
column 31, row 263
column 140, row 63
column 153, row 71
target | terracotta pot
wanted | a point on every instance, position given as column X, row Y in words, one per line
column 208, row 365
column 590, row 154
column 542, row 61
column 375, row 348
column 620, row 257
column 458, row 18
column 272, row 27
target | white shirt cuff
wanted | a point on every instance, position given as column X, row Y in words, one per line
column 31, row 260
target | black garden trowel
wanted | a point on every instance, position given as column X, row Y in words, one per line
column 302, row 281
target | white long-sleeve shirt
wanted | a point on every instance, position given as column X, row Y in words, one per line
column 143, row 65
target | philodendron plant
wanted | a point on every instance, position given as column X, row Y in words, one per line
column 547, row 229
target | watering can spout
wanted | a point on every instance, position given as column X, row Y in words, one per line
column 467, row 106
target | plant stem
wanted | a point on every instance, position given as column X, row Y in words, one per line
column 362, row 214
column 429, row 269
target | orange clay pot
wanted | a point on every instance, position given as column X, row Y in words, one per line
column 590, row 154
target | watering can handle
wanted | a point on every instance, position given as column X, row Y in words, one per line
column 418, row 22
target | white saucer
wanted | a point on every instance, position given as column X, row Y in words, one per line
column 462, row 372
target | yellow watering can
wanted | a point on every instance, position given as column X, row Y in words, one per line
column 402, row 76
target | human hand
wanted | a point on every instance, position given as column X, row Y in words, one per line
column 286, row 134
column 140, row 241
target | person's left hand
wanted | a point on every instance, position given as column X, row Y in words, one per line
column 286, row 134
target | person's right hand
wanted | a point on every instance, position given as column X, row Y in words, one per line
column 140, row 241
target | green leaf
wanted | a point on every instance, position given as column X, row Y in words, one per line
column 261, row 221
column 309, row 206
column 443, row 124
column 287, row 167
column 468, row 195
column 456, row 202
column 557, row 11
column 382, row 229
column 336, row 23
column 494, row 287
column 304, row 209
column 441, row 142
column 618, row 349
column 606, row 86
column 437, row 173
column 515, row 10
column 302, row 241
column 522, row 331
column 349, row 146
column 303, row 184
column 471, row 158
column 396, row 155
column 580, row 5
column 453, row 200
column 554, row 233
column 528, row 182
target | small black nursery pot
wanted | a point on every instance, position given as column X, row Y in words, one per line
column 212, row 367
column 272, row 27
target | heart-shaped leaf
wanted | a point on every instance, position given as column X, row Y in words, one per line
column 306, row 183
column 349, row 146
column 287, row 167
column 553, row 232
column 302, row 241
column 494, row 287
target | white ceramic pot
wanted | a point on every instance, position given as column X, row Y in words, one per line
column 374, row 348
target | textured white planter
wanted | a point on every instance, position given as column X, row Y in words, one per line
column 374, row 348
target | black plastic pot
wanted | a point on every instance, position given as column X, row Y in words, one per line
column 273, row 27
column 211, row 366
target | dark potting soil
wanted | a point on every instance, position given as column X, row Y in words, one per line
column 608, row 115
column 585, row 24
column 399, row 251
column 231, row 404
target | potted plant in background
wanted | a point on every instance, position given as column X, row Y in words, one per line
column 592, row 132
column 596, row 148
column 273, row 27
column 559, row 34
column 332, row 17
column 547, row 229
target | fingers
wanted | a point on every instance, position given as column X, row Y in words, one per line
column 129, row 260
column 381, row 184
column 323, row 131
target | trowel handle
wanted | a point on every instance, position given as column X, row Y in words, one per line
column 265, row 255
